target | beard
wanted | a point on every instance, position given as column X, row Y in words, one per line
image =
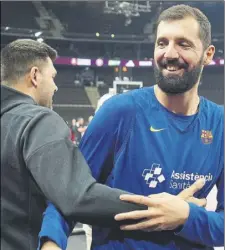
column 177, row 84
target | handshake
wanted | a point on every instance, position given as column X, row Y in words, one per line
column 165, row 211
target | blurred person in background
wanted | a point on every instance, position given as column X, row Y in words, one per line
column 73, row 130
column 90, row 119
column 102, row 99
column 80, row 129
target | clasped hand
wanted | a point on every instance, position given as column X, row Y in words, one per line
column 165, row 211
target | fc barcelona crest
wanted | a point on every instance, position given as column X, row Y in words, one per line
column 206, row 136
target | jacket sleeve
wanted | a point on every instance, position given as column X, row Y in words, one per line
column 62, row 174
column 206, row 227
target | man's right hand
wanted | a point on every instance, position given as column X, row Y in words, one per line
column 188, row 193
column 165, row 211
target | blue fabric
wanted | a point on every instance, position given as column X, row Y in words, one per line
column 200, row 224
column 200, row 218
column 158, row 151
column 54, row 227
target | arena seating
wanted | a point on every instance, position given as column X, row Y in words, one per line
column 71, row 95
column 68, row 113
column 215, row 95
column 79, row 11
column 75, row 17
column 23, row 13
column 66, row 75
column 103, row 90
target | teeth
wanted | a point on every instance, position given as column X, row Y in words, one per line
column 172, row 68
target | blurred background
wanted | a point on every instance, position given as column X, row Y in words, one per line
column 103, row 46
column 99, row 42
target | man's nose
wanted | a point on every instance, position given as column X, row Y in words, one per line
column 171, row 52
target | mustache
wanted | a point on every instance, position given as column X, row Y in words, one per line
column 173, row 62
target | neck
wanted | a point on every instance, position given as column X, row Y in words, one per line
column 185, row 104
column 21, row 87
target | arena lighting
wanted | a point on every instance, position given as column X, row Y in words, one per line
column 145, row 63
column 130, row 63
column 112, row 35
column 212, row 63
column 99, row 62
column 74, row 61
column 83, row 62
column 97, row 34
column 115, row 62
column 126, row 7
column 37, row 34
column 128, row 21
column 7, row 28
column 40, row 40
column 124, row 69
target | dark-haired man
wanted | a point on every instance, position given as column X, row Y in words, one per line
column 160, row 140
column 39, row 162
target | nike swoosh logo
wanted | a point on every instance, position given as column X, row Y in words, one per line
column 156, row 130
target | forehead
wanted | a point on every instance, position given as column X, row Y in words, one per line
column 173, row 29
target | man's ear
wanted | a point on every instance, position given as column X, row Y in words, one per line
column 209, row 53
column 34, row 76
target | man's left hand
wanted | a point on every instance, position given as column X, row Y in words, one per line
column 165, row 212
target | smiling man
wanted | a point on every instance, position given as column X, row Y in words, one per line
column 180, row 58
column 146, row 139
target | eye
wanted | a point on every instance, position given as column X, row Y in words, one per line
column 184, row 45
column 161, row 44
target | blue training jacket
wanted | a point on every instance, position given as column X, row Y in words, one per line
column 147, row 149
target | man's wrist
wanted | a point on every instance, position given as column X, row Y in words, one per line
column 47, row 244
column 185, row 213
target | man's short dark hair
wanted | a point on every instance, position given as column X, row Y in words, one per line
column 19, row 56
column 179, row 12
